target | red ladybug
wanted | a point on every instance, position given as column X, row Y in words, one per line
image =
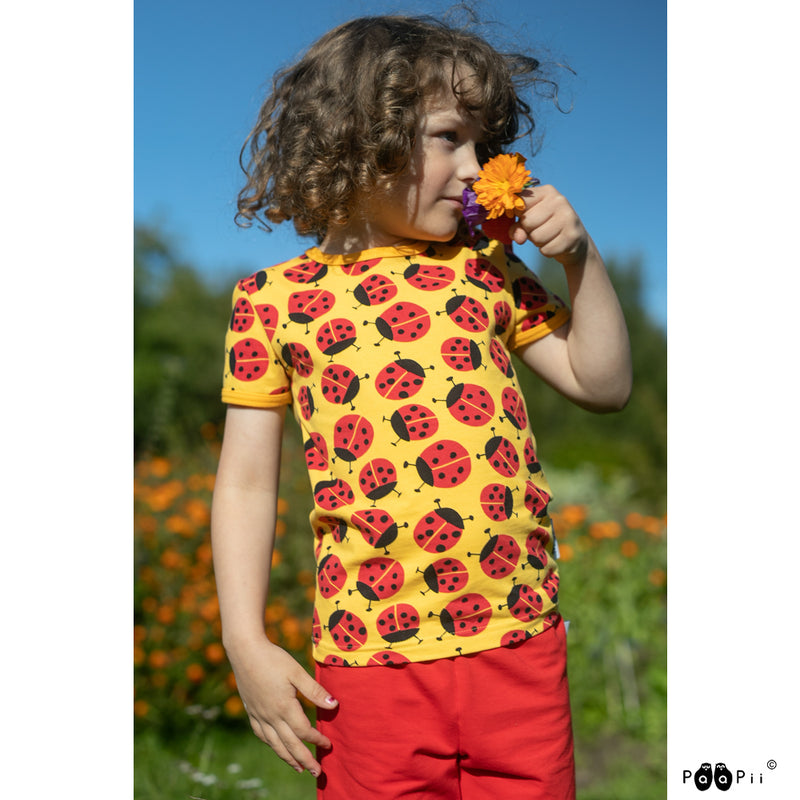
column 377, row 527
column 537, row 555
column 514, row 638
column 333, row 494
column 305, row 307
column 398, row 623
column 268, row 315
column 316, row 629
column 347, row 630
column 414, row 423
column 298, row 358
column 528, row 293
column 333, row 526
column 253, row 283
column 445, row 463
column 439, row 529
column 536, row 499
column 403, row 322
column 497, row 501
column 335, row 336
column 248, row 360
column 331, row 575
column 360, row 267
column 336, row 661
column 378, row 579
column 467, row 615
column 499, row 556
column 524, row 602
column 445, row 576
column 375, row 290
column 316, row 452
column 482, row 273
column 531, row 460
column 340, row 384
column 502, row 456
column 377, row 478
column 386, row 658
column 550, row 586
column 429, row 277
column 352, row 437
column 500, row 358
column 306, row 272
column 469, row 404
column 401, row 379
column 467, row 313
column 461, row 354
column 306, row 402
column 243, row 316
column 514, row 406
column 502, row 317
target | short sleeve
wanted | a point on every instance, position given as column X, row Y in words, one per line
column 536, row 310
column 253, row 374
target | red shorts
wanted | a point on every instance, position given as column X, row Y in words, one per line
column 491, row 725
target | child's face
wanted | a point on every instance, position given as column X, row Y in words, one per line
column 426, row 204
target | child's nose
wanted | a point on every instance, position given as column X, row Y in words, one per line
column 469, row 166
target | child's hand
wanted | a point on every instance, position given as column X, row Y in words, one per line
column 268, row 680
column 550, row 222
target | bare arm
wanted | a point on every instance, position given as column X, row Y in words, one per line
column 242, row 535
column 587, row 360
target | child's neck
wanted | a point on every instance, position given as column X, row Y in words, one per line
column 357, row 238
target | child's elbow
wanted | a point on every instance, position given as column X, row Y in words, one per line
column 612, row 400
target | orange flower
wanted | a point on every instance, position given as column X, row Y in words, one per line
column 234, row 706
column 215, row 653
column 629, row 548
column 565, row 552
column 499, row 185
column 195, row 673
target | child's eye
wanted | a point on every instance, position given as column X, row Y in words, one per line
column 449, row 136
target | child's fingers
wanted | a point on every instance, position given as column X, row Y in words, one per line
column 316, row 693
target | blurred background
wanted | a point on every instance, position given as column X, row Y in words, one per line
column 200, row 72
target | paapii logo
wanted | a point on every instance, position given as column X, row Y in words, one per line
column 721, row 777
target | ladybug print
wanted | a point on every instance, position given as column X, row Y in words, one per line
column 316, row 629
column 524, row 603
column 398, row 623
column 253, row 283
column 430, row 277
column 377, row 479
column 461, row 354
column 528, row 294
column 485, row 275
column 377, row 527
column 306, row 402
column 352, row 437
column 335, row 526
column 497, row 501
column 531, row 460
column 333, row 494
column 445, row 576
column 375, row 290
column 360, row 267
column 248, row 360
column 514, row 638
column 401, row 379
column 340, row 384
column 467, row 313
column 439, row 530
column 550, row 586
column 443, row 464
column 336, row 661
column 469, row 404
column 536, row 499
column 331, row 575
column 335, row 336
column 403, row 322
column 242, row 316
column 413, row 423
column 316, row 452
column 305, row 307
column 502, row 317
column 268, row 315
column 514, row 406
column 347, row 630
column 298, row 358
column 467, row 615
column 537, row 555
column 306, row 272
column 499, row 556
column 387, row 658
column 502, row 456
column 500, row 358
column 378, row 579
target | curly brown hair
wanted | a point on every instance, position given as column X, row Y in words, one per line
column 340, row 124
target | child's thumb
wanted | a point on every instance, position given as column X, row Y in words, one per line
column 316, row 693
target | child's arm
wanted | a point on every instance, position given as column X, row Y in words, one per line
column 587, row 360
column 243, row 532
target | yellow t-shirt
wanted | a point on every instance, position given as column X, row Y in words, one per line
column 430, row 507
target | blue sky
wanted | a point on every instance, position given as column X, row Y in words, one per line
column 200, row 69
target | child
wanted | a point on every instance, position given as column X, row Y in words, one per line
column 440, row 653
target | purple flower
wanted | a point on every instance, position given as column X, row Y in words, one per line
column 473, row 212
